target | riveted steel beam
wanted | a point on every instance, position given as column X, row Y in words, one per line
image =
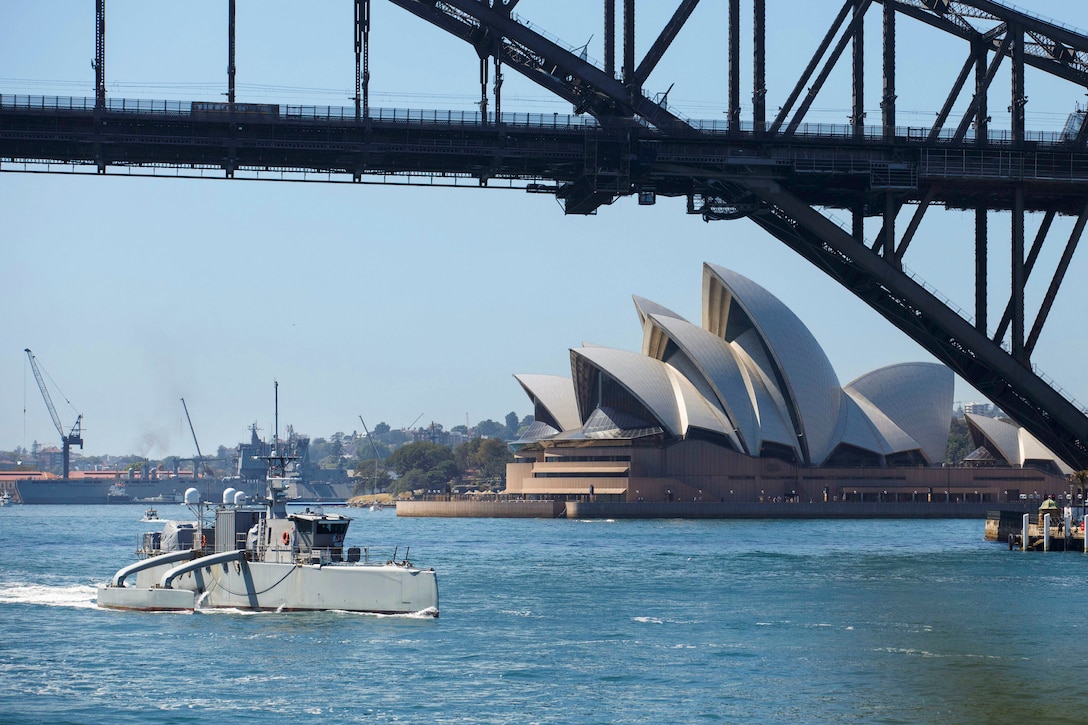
column 664, row 40
column 588, row 88
column 927, row 320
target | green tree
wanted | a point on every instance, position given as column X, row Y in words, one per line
column 365, row 450
column 424, row 465
column 423, row 455
column 464, row 455
column 959, row 442
column 371, row 478
column 492, row 458
column 318, row 449
column 1080, row 478
column 334, row 451
column 433, row 479
column 511, row 425
column 490, row 429
column 484, row 458
column 382, row 432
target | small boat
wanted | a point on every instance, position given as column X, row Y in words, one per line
column 5, row 498
column 150, row 515
column 262, row 558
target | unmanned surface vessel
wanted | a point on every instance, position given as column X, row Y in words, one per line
column 262, row 558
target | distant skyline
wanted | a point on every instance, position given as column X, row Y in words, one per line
column 401, row 303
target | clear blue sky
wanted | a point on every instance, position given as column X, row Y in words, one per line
column 398, row 303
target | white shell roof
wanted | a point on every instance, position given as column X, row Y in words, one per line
column 754, row 373
column 811, row 386
column 918, row 397
column 884, row 436
column 646, row 307
column 696, row 411
column 717, row 364
column 556, row 394
column 1002, row 436
column 668, row 396
column 770, row 408
column 1015, row 444
column 643, row 377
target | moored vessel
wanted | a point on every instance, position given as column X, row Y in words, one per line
column 81, row 488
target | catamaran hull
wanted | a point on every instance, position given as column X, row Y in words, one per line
column 379, row 589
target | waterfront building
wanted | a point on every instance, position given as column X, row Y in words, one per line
column 747, row 407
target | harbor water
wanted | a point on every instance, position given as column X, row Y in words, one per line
column 564, row 621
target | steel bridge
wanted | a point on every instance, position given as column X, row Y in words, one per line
column 781, row 172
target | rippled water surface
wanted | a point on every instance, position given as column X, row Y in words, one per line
column 567, row 621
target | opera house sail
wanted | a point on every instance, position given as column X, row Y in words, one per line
column 746, row 406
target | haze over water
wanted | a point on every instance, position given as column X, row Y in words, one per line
column 567, row 621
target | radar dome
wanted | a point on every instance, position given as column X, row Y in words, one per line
column 192, row 496
column 239, row 498
column 228, row 495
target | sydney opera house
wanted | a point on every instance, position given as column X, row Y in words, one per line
column 747, row 407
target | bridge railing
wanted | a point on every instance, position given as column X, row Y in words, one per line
column 345, row 114
column 265, row 111
column 911, row 134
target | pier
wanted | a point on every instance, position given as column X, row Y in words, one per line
column 1052, row 531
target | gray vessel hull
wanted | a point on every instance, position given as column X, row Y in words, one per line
column 81, row 491
column 239, row 584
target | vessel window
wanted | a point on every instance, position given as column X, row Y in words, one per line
column 325, row 527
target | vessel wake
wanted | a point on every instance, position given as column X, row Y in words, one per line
column 79, row 596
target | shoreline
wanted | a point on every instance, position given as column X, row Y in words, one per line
column 515, row 508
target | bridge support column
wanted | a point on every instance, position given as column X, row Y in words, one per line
column 1019, row 100
column 628, row 41
column 230, row 51
column 980, row 269
column 100, row 56
column 888, row 242
column 982, row 85
column 734, row 66
column 857, row 116
column 888, row 103
column 1018, row 276
column 610, row 38
column 362, row 59
column 759, row 67
column 483, row 89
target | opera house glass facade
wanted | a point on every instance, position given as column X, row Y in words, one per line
column 746, row 407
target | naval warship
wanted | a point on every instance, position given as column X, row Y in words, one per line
column 308, row 483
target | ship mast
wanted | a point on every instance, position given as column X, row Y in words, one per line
column 277, row 468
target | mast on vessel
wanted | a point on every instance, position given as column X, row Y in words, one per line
column 277, row 459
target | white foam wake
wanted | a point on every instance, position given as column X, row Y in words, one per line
column 80, row 596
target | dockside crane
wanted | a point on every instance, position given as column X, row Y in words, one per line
column 377, row 458
column 73, row 437
column 200, row 456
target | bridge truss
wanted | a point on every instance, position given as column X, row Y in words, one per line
column 782, row 172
